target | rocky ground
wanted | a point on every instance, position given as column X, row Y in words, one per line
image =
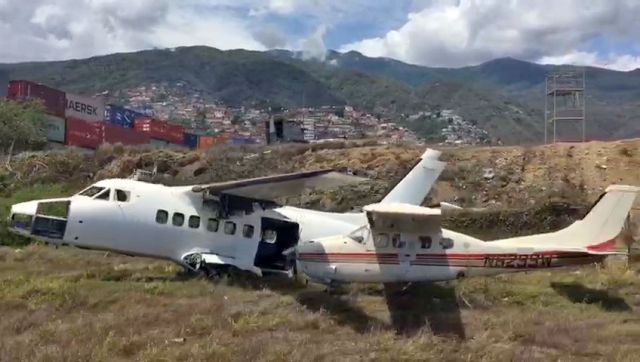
column 554, row 178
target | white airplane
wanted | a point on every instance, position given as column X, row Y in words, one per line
column 214, row 227
column 206, row 228
column 404, row 242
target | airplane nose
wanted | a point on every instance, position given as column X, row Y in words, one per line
column 26, row 208
column 32, row 217
column 21, row 215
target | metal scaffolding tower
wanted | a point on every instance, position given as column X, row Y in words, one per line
column 565, row 102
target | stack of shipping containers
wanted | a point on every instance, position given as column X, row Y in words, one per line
column 160, row 132
column 119, row 126
column 196, row 141
column 87, row 122
column 52, row 99
column 85, row 116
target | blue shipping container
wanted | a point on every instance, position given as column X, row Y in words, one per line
column 191, row 140
column 241, row 141
column 121, row 116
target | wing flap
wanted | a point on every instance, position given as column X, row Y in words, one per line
column 399, row 217
column 273, row 187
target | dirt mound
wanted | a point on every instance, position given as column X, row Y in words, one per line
column 494, row 177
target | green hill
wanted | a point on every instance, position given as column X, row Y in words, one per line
column 505, row 96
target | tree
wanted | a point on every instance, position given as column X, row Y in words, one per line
column 200, row 119
column 22, row 126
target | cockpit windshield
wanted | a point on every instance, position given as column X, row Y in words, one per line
column 91, row 191
column 360, row 235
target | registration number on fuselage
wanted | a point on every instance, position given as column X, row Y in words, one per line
column 518, row 261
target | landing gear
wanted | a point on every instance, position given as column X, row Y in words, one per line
column 215, row 273
column 195, row 265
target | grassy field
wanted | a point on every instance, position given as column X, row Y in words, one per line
column 68, row 304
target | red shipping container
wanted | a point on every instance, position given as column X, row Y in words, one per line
column 160, row 130
column 176, row 133
column 206, row 142
column 115, row 134
column 84, row 134
column 54, row 100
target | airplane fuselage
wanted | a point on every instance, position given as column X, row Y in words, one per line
column 448, row 256
column 171, row 222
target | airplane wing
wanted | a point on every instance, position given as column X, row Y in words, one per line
column 272, row 187
column 399, row 217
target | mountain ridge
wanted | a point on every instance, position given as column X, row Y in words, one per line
column 504, row 95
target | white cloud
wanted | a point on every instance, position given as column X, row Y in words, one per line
column 43, row 30
column 436, row 32
column 464, row 32
column 623, row 62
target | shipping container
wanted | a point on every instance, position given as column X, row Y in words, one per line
column 160, row 130
column 4, row 83
column 121, row 116
column 191, row 140
column 52, row 99
column 85, row 108
column 81, row 133
column 115, row 134
column 176, row 133
column 241, row 141
column 206, row 142
column 55, row 127
column 157, row 142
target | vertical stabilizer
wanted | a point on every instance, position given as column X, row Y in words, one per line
column 415, row 186
column 606, row 219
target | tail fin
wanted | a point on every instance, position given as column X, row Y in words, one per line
column 602, row 226
column 415, row 186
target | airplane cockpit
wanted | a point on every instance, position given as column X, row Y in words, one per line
column 98, row 192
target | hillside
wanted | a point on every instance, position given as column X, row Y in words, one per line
column 520, row 176
column 612, row 96
column 505, row 95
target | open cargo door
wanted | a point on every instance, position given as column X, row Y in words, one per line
column 50, row 220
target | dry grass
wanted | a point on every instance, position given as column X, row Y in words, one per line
column 68, row 304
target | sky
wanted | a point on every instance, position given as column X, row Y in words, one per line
column 442, row 33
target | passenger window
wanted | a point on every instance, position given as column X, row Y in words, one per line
column 213, row 224
column 122, row 196
column 446, row 243
column 229, row 227
column 269, row 236
column 104, row 195
column 178, row 219
column 360, row 235
column 247, row 231
column 194, row 221
column 162, row 217
column 425, row 242
column 381, row 241
column 396, row 242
